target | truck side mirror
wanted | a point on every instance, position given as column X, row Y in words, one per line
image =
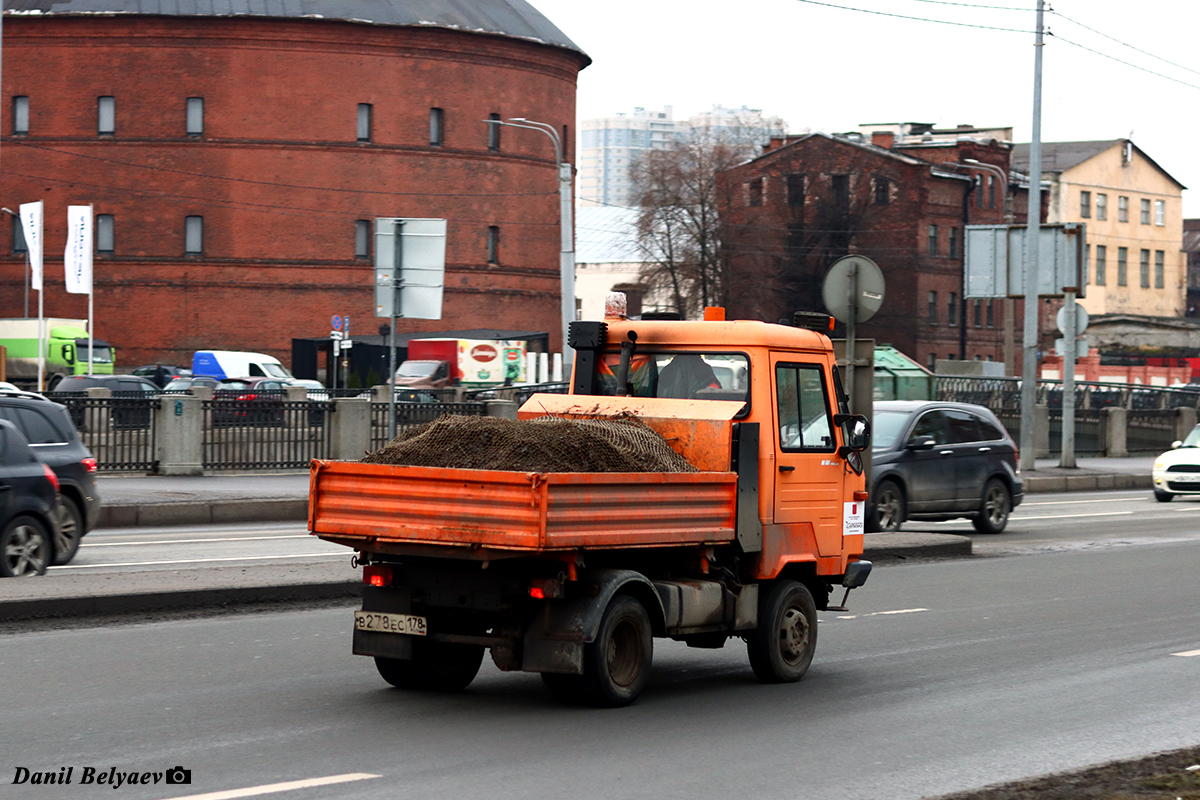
column 856, row 433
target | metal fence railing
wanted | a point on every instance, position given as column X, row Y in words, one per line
column 410, row 415
column 1149, row 431
column 119, row 430
column 266, row 432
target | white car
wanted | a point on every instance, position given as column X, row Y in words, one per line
column 1177, row 471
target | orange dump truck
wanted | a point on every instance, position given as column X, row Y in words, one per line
column 571, row 574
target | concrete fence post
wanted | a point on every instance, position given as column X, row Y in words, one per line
column 505, row 409
column 1041, row 431
column 1115, row 420
column 350, row 428
column 379, row 393
column 179, row 435
column 1185, row 420
column 296, row 420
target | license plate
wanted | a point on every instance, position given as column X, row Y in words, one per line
column 384, row 622
column 1184, row 477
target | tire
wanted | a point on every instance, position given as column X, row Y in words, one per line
column 994, row 509
column 1163, row 497
column 68, row 530
column 616, row 667
column 887, row 508
column 435, row 666
column 25, row 548
column 782, row 646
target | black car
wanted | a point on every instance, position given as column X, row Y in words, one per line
column 48, row 429
column 935, row 460
column 161, row 374
column 28, row 493
column 130, row 393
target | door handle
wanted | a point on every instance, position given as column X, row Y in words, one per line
column 786, row 468
column 985, row 449
column 945, row 452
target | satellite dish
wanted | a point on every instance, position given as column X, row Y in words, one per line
column 853, row 284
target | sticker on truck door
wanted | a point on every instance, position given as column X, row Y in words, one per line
column 852, row 518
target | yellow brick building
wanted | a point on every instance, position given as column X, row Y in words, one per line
column 1134, row 214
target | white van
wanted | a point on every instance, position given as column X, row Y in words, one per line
column 237, row 364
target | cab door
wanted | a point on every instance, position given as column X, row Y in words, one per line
column 809, row 474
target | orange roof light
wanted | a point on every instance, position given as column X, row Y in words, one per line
column 714, row 314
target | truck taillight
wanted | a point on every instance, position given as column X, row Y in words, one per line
column 89, row 464
column 376, row 575
column 50, row 476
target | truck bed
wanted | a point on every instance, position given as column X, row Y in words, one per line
column 381, row 507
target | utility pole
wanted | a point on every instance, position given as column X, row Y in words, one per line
column 1032, row 237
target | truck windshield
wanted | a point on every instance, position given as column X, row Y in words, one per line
column 103, row 352
column 417, row 369
column 692, row 376
column 276, row 371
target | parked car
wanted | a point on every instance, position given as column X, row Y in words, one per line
column 934, row 460
column 126, row 415
column 48, row 429
column 28, row 493
column 1177, row 471
column 185, row 383
column 249, row 401
column 162, row 374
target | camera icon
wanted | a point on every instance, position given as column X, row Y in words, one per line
column 179, row 775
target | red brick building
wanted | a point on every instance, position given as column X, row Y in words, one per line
column 809, row 200
column 236, row 161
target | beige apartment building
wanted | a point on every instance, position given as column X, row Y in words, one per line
column 1134, row 214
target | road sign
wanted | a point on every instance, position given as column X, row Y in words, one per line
column 858, row 276
column 337, row 347
column 347, row 344
column 335, row 335
column 1081, row 347
column 1081, row 319
column 994, row 264
column 409, row 278
column 336, row 322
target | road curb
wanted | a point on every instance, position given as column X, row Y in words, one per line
column 204, row 512
column 1043, row 484
column 154, row 602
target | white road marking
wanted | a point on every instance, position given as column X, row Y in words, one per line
column 1187, row 653
column 1023, row 518
column 884, row 613
column 272, row 788
column 199, row 560
column 1075, row 502
column 194, row 541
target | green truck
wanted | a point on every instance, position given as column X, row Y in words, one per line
column 66, row 351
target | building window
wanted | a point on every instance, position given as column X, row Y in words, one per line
column 1101, row 206
column 756, row 192
column 493, row 245
column 841, row 192
column 953, row 243
column 437, row 127
column 795, row 190
column 933, row 308
column 104, row 233
column 1145, row 264
column 18, row 236
column 362, row 238
column 364, row 122
column 1145, row 209
column 195, row 116
column 1087, row 256
column 1159, row 266
column 494, row 132
column 882, row 191
column 1160, row 213
column 566, row 143
column 1101, row 264
column 193, row 236
column 991, row 191
column 20, row 110
column 1122, row 208
column 979, row 191
column 1122, row 265
column 106, row 116
column 952, row 310
column 931, row 361
column 1085, row 205
column 933, row 240
column 991, row 315
column 978, row 313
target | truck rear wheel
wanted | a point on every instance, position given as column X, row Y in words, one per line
column 438, row 666
column 782, row 646
column 616, row 667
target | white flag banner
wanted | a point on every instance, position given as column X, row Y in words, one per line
column 31, row 226
column 78, row 256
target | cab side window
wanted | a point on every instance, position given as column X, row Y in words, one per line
column 989, row 432
column 805, row 422
column 964, row 427
column 932, row 423
column 35, row 426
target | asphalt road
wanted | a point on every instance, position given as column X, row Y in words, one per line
column 943, row 676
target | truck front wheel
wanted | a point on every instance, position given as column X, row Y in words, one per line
column 782, row 646
column 616, row 667
column 438, row 666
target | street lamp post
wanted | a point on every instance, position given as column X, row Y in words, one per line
column 567, row 257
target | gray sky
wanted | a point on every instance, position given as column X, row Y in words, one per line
column 828, row 69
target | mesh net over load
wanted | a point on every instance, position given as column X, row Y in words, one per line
column 544, row 444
